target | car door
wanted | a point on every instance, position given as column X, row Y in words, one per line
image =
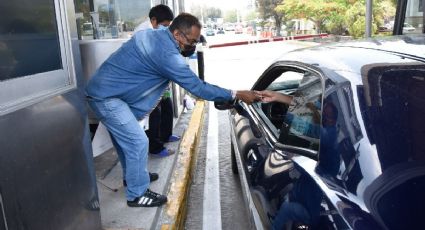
column 258, row 127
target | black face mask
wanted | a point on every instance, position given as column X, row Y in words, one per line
column 188, row 50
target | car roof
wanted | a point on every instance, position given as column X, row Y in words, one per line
column 352, row 56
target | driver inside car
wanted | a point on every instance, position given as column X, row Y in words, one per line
column 301, row 120
column 306, row 196
column 304, row 199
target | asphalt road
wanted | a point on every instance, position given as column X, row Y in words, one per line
column 216, row 199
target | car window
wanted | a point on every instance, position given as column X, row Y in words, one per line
column 301, row 126
column 339, row 137
column 393, row 112
column 298, row 123
column 273, row 113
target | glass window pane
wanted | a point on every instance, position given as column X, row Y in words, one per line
column 297, row 123
column 303, row 117
column 414, row 21
column 110, row 18
column 29, row 42
column 273, row 113
column 395, row 110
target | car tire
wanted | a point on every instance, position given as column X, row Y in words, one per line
column 233, row 159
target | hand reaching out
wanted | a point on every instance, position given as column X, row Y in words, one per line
column 247, row 96
column 272, row 96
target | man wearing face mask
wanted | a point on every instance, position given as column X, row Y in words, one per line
column 159, row 15
column 128, row 85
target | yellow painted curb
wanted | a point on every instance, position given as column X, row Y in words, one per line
column 179, row 189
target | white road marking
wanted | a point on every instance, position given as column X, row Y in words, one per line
column 211, row 204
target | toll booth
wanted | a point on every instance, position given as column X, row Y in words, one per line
column 47, row 178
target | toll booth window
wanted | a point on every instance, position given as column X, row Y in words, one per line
column 29, row 42
column 99, row 19
column 414, row 20
column 34, row 51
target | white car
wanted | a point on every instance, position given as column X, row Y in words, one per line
column 408, row 28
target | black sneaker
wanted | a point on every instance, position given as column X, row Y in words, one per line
column 152, row 177
column 148, row 199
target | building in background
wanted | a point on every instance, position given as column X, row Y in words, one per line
column 110, row 19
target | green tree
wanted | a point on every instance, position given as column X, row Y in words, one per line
column 355, row 16
column 318, row 11
column 335, row 23
column 195, row 9
column 230, row 16
column 388, row 9
column 267, row 9
column 208, row 12
column 212, row 12
column 250, row 16
column 338, row 16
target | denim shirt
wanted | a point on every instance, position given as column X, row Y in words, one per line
column 140, row 71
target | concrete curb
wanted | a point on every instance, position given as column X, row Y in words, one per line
column 175, row 211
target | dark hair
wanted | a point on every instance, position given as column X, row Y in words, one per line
column 161, row 13
column 184, row 23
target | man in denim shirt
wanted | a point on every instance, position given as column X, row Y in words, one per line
column 128, row 85
column 161, row 117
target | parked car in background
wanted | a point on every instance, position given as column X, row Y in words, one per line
column 354, row 129
column 407, row 28
column 384, row 28
column 238, row 29
column 220, row 31
column 229, row 28
column 210, row 32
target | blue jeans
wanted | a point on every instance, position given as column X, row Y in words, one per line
column 290, row 211
column 129, row 140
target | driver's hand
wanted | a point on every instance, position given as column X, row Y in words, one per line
column 272, row 96
column 267, row 95
column 247, row 96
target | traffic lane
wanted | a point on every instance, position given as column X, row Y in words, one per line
column 238, row 67
column 233, row 212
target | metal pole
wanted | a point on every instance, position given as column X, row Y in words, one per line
column 200, row 56
column 423, row 17
column 368, row 33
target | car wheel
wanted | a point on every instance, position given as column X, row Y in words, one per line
column 233, row 159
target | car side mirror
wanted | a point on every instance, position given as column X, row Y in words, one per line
column 224, row 105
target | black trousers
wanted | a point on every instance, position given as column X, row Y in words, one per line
column 160, row 125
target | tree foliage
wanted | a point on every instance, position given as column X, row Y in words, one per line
column 212, row 12
column 250, row 16
column 318, row 11
column 339, row 16
column 267, row 9
column 206, row 12
column 355, row 17
column 231, row 16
